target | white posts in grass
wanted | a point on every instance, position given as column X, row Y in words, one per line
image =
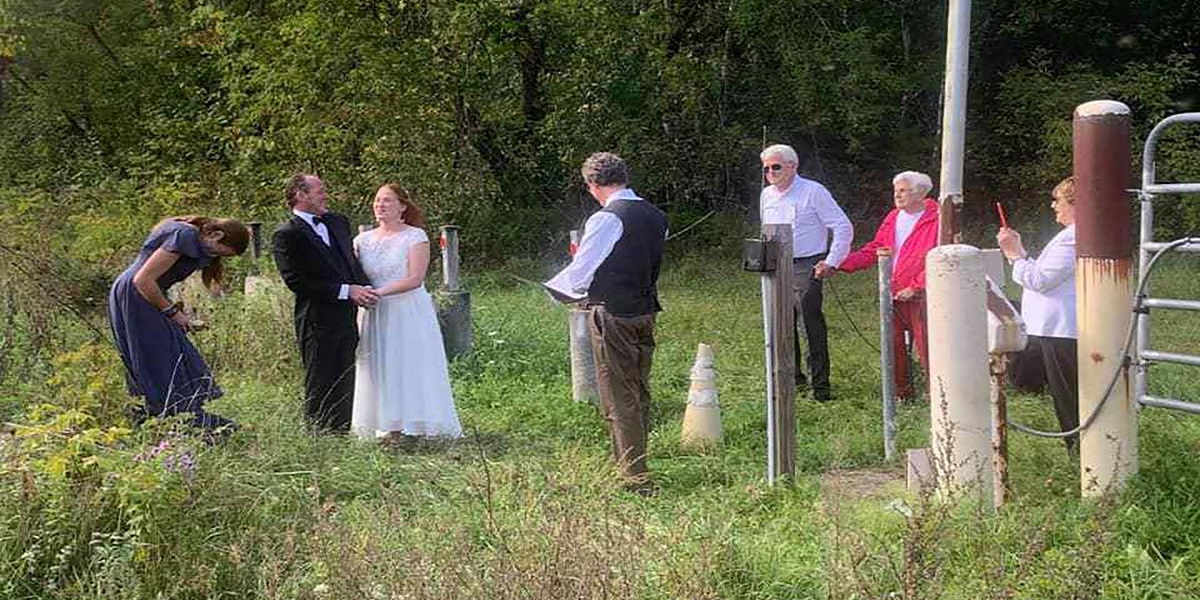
column 702, row 418
column 960, row 434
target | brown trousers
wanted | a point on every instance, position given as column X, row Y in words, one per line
column 624, row 348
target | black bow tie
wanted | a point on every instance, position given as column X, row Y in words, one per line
column 320, row 219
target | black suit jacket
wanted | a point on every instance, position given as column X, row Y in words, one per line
column 315, row 272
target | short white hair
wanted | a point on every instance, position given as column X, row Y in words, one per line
column 784, row 151
column 917, row 179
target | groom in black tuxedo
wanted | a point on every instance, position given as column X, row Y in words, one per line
column 315, row 257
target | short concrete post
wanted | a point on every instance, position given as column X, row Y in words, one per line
column 887, row 356
column 255, row 240
column 960, row 433
column 583, row 360
column 255, row 283
column 702, row 417
column 1108, row 449
column 454, row 304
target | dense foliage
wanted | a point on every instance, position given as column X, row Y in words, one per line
column 486, row 107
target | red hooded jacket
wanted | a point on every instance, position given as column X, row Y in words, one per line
column 908, row 265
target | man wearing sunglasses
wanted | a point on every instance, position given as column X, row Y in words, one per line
column 813, row 213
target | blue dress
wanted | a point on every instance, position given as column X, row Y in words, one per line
column 161, row 364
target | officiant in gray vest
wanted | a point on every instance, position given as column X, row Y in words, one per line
column 615, row 273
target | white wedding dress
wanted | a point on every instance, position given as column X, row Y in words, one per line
column 402, row 384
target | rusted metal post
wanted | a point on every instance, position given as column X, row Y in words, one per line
column 454, row 303
column 954, row 121
column 997, row 365
column 1108, row 449
column 781, row 406
column 960, row 420
column 887, row 355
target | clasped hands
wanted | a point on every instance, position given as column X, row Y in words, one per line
column 363, row 295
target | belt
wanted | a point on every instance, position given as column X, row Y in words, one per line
column 810, row 257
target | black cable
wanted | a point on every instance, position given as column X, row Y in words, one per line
column 846, row 313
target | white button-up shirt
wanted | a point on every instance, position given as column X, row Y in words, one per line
column 812, row 212
column 1048, row 299
column 321, row 230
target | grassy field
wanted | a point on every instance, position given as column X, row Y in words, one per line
column 527, row 506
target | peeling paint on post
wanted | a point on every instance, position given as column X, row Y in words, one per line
column 1108, row 449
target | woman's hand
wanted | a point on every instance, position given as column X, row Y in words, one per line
column 1009, row 241
column 181, row 319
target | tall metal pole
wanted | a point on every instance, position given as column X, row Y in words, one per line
column 1108, row 449
column 887, row 355
column 954, row 121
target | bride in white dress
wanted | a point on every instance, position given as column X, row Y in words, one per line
column 402, row 384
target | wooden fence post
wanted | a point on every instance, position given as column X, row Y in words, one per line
column 778, row 300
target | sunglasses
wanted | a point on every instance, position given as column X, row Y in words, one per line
column 775, row 167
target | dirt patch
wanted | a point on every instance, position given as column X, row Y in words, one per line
column 861, row 484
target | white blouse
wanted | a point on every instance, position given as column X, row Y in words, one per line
column 1048, row 300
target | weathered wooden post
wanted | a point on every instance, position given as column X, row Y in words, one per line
column 887, row 355
column 1108, row 448
column 454, row 303
column 778, row 298
column 583, row 361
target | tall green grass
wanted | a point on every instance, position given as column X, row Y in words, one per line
column 527, row 505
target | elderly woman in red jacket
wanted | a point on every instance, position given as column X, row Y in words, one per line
column 910, row 230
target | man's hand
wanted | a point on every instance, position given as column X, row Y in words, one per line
column 363, row 296
column 823, row 271
column 1009, row 241
column 907, row 294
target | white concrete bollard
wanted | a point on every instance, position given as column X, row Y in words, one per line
column 702, row 418
column 960, row 433
column 583, row 360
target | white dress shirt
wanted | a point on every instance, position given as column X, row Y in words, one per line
column 320, row 228
column 322, row 232
column 1048, row 300
column 600, row 235
column 812, row 212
